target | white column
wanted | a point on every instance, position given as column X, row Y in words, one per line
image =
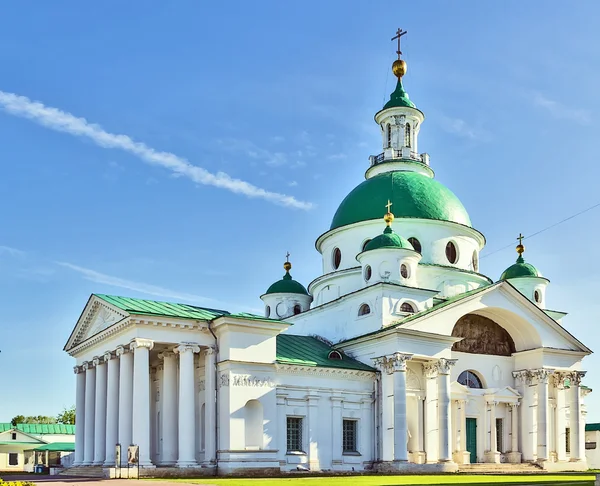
column 542, row 376
column 367, row 444
column 210, row 406
column 527, row 429
column 575, row 416
column 421, row 423
column 79, row 416
column 141, row 398
column 493, row 431
column 514, row 427
column 112, row 407
column 125, row 400
column 398, row 362
column 444, row 366
column 100, row 412
column 430, row 370
column 169, row 409
column 90, row 409
column 313, row 433
column 281, row 426
column 336, row 430
column 187, row 413
column 462, row 420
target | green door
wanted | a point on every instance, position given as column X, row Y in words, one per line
column 472, row 438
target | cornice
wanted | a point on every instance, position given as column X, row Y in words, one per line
column 335, row 373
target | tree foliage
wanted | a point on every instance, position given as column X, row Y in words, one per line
column 67, row 416
column 32, row 419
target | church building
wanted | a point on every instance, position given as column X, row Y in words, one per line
column 402, row 355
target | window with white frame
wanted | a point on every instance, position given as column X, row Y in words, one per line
column 13, row 458
column 350, row 436
column 14, row 436
column 294, row 434
column 499, row 435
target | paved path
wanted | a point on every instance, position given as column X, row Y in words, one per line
column 76, row 480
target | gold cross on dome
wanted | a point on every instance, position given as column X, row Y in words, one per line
column 520, row 238
column 399, row 33
column 388, row 206
column 287, row 257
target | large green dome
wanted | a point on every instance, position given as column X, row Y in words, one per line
column 413, row 195
column 287, row 285
column 519, row 270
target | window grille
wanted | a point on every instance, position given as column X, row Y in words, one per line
column 13, row 459
column 349, row 441
column 294, row 434
column 499, row 435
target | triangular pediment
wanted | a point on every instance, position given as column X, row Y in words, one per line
column 97, row 316
column 21, row 437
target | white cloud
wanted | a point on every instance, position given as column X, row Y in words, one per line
column 141, row 287
column 7, row 250
column 558, row 110
column 61, row 121
column 253, row 151
column 459, row 127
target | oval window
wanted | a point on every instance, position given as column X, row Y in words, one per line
column 416, row 244
column 537, row 296
column 404, row 271
column 297, row 309
column 336, row 258
column 475, row 261
column 268, row 311
column 368, row 273
column 406, row 307
column 451, row 252
column 364, row 310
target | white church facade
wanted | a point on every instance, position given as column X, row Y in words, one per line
column 400, row 356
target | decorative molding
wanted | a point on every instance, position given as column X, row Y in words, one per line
column 445, row 364
column 412, row 380
column 558, row 379
column 121, row 350
column 255, row 381
column 576, row 377
column 223, row 380
column 209, row 351
column 430, row 370
column 141, row 343
column 201, row 385
column 108, row 355
column 98, row 360
column 393, row 362
column 166, row 354
column 185, row 347
column 87, row 365
column 514, row 405
column 525, row 377
column 78, row 369
column 336, row 373
column 542, row 375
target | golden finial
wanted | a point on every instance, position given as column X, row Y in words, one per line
column 520, row 246
column 399, row 65
column 389, row 216
column 287, row 266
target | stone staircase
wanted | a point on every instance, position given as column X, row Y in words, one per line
column 503, row 468
column 84, row 471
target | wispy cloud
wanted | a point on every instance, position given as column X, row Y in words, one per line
column 338, row 156
column 461, row 128
column 558, row 110
column 144, row 288
column 251, row 150
column 61, row 121
column 7, row 250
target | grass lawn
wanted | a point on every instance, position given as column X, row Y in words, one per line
column 579, row 480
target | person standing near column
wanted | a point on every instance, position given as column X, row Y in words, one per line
column 141, row 398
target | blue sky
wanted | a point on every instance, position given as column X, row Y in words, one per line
column 276, row 100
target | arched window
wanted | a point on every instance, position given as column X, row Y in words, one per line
column 470, row 379
column 475, row 261
column 268, row 311
column 537, row 296
column 253, row 424
column 404, row 271
column 364, row 309
column 368, row 273
column 297, row 309
column 416, row 244
column 335, row 355
column 407, row 307
column 451, row 252
column 407, row 135
column 336, row 258
column 389, row 135
column 365, row 244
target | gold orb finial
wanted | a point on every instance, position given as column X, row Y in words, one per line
column 389, row 216
column 287, row 266
column 520, row 247
column 399, row 68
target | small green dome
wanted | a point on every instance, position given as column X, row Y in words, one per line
column 520, row 269
column 388, row 239
column 413, row 195
column 287, row 285
column 399, row 98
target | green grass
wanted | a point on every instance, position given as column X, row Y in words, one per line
column 376, row 480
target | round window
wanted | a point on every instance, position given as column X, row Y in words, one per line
column 537, row 296
column 451, row 252
column 404, row 271
column 416, row 244
column 475, row 261
column 336, row 258
column 368, row 273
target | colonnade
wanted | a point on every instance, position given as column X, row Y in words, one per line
column 113, row 406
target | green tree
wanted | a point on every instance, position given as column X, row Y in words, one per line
column 67, row 416
column 37, row 419
column 19, row 419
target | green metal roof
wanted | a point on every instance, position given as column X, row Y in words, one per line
column 16, row 442
column 57, row 446
column 520, row 269
column 310, row 351
column 399, row 97
column 388, row 239
column 287, row 285
column 413, row 195
column 592, row 427
column 37, row 429
column 169, row 309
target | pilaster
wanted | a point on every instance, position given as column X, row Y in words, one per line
column 169, row 409
column 210, row 406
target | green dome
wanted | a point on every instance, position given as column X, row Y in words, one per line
column 399, row 98
column 413, row 195
column 287, row 285
column 520, row 269
column 388, row 239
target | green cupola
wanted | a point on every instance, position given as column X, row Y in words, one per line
column 399, row 98
column 287, row 285
column 520, row 269
column 388, row 239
